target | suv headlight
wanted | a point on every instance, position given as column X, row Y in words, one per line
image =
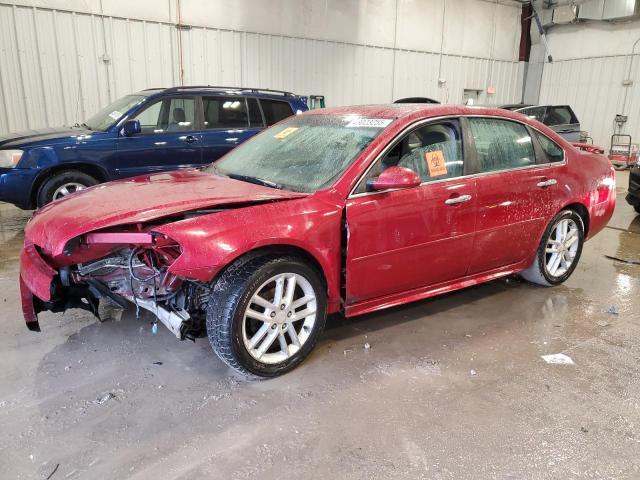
column 10, row 158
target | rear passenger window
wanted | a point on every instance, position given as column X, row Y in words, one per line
column 553, row 152
column 255, row 117
column 225, row 112
column 559, row 116
column 501, row 144
column 537, row 113
column 275, row 110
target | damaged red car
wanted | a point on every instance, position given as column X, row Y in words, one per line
column 350, row 210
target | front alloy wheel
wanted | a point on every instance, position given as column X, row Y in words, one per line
column 265, row 314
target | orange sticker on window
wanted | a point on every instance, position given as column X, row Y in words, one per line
column 285, row 133
column 435, row 163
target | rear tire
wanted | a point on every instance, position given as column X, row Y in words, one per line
column 62, row 184
column 559, row 251
column 252, row 315
column 637, row 208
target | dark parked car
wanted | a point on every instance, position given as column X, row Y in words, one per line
column 633, row 195
column 560, row 118
column 150, row 131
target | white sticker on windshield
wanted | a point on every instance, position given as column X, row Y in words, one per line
column 115, row 114
column 369, row 122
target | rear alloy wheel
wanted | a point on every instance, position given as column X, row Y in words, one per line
column 62, row 184
column 559, row 251
column 265, row 315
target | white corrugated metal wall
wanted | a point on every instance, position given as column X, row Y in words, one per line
column 593, row 87
column 591, row 72
column 60, row 66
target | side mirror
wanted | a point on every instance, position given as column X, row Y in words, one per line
column 394, row 177
column 131, row 127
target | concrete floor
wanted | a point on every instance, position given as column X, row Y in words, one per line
column 451, row 388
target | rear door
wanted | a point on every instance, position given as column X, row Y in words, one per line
column 562, row 120
column 399, row 240
column 228, row 121
column 515, row 192
column 169, row 139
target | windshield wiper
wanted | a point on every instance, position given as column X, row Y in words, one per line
column 256, row 180
column 82, row 125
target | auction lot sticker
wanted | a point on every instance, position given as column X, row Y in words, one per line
column 369, row 122
column 285, row 133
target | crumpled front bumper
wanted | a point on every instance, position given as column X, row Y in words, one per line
column 36, row 279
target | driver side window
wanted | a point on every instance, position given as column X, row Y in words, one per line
column 433, row 151
column 168, row 115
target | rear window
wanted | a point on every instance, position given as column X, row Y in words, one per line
column 551, row 149
column 559, row 116
column 275, row 110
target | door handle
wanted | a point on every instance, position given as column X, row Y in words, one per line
column 547, row 183
column 189, row 139
column 456, row 200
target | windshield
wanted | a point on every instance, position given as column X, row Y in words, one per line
column 304, row 153
column 112, row 113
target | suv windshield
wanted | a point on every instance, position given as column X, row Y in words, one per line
column 304, row 153
column 112, row 113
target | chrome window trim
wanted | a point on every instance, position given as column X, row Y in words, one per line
column 474, row 175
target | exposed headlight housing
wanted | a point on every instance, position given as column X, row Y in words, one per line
column 10, row 158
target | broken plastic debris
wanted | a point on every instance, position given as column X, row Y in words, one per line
column 558, row 359
column 473, row 372
column 612, row 310
column 367, row 346
column 105, row 398
column 154, row 328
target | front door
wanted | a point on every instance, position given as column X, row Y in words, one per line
column 169, row 139
column 410, row 238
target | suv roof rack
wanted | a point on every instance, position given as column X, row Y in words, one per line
column 216, row 87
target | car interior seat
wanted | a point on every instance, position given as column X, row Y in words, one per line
column 179, row 118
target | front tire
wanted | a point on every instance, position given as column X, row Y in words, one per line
column 62, row 184
column 637, row 208
column 559, row 250
column 265, row 315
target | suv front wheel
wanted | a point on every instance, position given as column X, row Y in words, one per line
column 265, row 314
column 62, row 184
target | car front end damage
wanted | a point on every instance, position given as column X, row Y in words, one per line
column 124, row 265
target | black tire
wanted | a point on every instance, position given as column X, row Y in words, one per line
column 231, row 295
column 57, row 180
column 537, row 272
column 636, row 208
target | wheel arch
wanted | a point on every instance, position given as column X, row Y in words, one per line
column 581, row 210
column 281, row 249
column 95, row 171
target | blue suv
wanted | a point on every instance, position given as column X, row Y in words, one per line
column 150, row 131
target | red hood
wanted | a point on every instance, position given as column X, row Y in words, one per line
column 138, row 200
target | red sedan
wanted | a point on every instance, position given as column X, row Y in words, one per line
column 349, row 210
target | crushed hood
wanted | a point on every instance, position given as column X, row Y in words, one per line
column 139, row 200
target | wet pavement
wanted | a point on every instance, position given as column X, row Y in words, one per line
column 453, row 387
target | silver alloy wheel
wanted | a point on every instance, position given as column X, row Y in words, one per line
column 66, row 189
column 282, row 308
column 561, row 248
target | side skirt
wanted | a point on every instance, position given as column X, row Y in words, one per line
column 421, row 293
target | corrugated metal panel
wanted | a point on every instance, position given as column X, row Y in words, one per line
column 54, row 68
column 593, row 87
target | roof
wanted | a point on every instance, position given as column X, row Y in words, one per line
column 218, row 89
column 400, row 110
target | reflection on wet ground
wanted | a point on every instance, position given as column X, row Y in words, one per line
column 452, row 387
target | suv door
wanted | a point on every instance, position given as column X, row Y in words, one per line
column 562, row 120
column 515, row 191
column 228, row 121
column 169, row 138
column 404, row 239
